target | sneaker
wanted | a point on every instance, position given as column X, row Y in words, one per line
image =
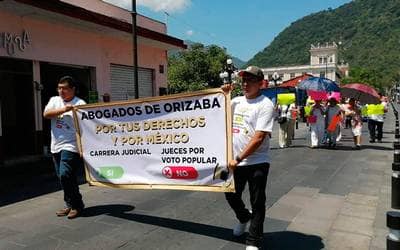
column 74, row 213
column 240, row 228
column 372, row 141
column 63, row 212
column 358, row 147
column 251, row 248
column 380, row 141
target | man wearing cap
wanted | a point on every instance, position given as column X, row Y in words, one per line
column 63, row 144
column 252, row 127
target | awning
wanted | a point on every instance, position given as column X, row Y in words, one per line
column 73, row 11
column 294, row 81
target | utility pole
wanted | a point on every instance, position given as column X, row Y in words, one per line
column 135, row 55
column 166, row 20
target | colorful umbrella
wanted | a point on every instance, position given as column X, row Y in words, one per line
column 363, row 93
column 319, row 84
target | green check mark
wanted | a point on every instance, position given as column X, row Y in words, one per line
column 111, row 172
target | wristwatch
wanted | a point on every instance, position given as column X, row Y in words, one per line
column 238, row 159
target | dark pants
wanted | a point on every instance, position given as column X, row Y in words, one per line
column 66, row 164
column 348, row 122
column 375, row 130
column 256, row 175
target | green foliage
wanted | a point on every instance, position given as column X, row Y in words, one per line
column 237, row 90
column 196, row 68
column 364, row 75
column 369, row 32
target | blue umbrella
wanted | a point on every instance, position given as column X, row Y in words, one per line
column 319, row 84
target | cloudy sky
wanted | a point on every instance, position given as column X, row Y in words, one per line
column 244, row 27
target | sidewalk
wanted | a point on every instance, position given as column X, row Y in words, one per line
column 316, row 199
column 25, row 180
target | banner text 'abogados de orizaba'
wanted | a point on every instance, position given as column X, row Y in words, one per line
column 168, row 142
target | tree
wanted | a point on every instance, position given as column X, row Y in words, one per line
column 364, row 75
column 196, row 68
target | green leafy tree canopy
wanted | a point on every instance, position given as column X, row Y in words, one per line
column 196, row 68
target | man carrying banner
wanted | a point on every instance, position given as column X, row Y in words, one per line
column 252, row 127
column 63, row 145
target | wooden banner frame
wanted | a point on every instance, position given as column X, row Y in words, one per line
column 228, row 186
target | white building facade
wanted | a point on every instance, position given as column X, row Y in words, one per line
column 323, row 63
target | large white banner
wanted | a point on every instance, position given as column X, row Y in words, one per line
column 170, row 142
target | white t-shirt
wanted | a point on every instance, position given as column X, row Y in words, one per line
column 249, row 116
column 286, row 111
column 62, row 127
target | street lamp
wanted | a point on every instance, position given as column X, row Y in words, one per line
column 228, row 71
column 275, row 78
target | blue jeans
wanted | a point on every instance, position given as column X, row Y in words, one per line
column 66, row 164
column 256, row 175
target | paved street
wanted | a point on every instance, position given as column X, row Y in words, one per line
column 316, row 199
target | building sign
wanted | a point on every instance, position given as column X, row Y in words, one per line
column 12, row 43
column 169, row 142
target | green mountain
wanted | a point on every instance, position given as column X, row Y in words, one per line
column 368, row 32
column 238, row 62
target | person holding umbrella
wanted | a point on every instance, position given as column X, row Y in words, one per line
column 317, row 124
column 332, row 111
column 368, row 95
